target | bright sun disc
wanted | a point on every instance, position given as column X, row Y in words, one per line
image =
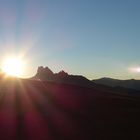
column 135, row 69
column 13, row 66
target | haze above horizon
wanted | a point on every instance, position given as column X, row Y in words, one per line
column 93, row 38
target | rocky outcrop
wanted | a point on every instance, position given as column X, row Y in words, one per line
column 46, row 70
column 46, row 74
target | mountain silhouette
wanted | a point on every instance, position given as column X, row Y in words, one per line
column 45, row 74
column 131, row 84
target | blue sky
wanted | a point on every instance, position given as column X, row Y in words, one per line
column 95, row 38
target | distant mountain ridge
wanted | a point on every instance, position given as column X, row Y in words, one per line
column 46, row 74
column 132, row 83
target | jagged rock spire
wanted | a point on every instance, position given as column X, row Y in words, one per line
column 46, row 70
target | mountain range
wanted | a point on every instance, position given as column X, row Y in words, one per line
column 46, row 74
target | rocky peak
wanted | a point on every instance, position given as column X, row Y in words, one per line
column 62, row 74
column 45, row 74
column 44, row 70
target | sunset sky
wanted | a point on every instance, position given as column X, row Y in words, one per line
column 94, row 38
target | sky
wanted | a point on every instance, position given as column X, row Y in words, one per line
column 94, row 38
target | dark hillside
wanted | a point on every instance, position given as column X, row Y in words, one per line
column 36, row 110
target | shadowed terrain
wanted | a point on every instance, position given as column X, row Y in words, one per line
column 130, row 84
column 40, row 110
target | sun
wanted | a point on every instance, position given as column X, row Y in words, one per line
column 135, row 69
column 13, row 66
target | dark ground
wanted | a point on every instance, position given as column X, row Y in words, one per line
column 35, row 110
